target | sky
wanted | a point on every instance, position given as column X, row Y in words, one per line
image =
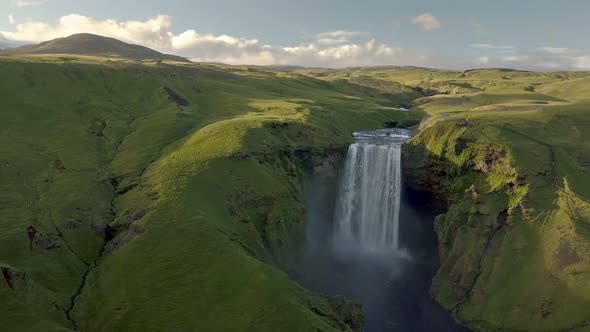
column 451, row 34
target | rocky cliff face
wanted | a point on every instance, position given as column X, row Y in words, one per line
column 502, row 253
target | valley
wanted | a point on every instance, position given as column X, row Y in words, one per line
column 160, row 195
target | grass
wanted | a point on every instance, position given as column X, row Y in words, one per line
column 201, row 199
column 526, row 274
column 148, row 215
column 575, row 89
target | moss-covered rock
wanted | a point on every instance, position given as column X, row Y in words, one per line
column 499, row 242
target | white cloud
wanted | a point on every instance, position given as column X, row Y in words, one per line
column 152, row 32
column 427, row 21
column 492, row 47
column 343, row 51
column 370, row 44
column 331, row 48
column 539, row 60
column 26, row 3
column 331, row 41
column 482, row 61
column 190, row 38
column 334, row 37
column 582, row 62
column 340, row 52
column 555, row 50
column 384, row 50
column 224, row 48
column 300, row 50
column 11, row 19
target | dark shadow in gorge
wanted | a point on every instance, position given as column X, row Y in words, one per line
column 392, row 289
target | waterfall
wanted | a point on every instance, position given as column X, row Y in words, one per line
column 367, row 211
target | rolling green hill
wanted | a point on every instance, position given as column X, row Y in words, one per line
column 577, row 89
column 167, row 196
column 512, row 163
column 160, row 197
column 93, row 45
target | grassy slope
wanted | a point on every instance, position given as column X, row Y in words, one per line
column 576, row 90
column 202, row 198
column 508, row 150
column 198, row 199
column 513, row 160
column 457, row 91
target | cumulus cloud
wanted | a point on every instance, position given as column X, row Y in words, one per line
column 370, row 52
column 152, row 32
column 339, row 48
column 224, row 48
column 27, row 3
column 11, row 19
column 340, row 52
column 332, row 48
column 426, row 21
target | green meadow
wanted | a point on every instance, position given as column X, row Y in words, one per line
column 166, row 196
column 122, row 210
column 509, row 152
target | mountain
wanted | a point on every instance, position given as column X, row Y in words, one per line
column 94, row 45
column 8, row 44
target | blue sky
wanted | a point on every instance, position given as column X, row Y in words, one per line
column 528, row 34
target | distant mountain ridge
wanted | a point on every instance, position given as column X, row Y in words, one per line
column 8, row 44
column 93, row 45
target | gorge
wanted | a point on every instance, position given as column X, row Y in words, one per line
column 142, row 195
column 371, row 239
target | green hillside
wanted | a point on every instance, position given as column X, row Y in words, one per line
column 442, row 91
column 514, row 243
column 93, row 45
column 167, row 196
column 508, row 151
column 123, row 211
column 577, row 89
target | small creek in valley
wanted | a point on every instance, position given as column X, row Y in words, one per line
column 371, row 240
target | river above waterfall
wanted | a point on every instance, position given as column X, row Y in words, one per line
column 384, row 258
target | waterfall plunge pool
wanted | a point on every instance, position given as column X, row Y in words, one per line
column 371, row 240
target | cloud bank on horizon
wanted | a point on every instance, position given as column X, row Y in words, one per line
column 340, row 48
column 27, row 3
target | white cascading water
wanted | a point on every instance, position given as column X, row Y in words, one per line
column 367, row 212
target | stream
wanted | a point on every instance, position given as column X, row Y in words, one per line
column 371, row 240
